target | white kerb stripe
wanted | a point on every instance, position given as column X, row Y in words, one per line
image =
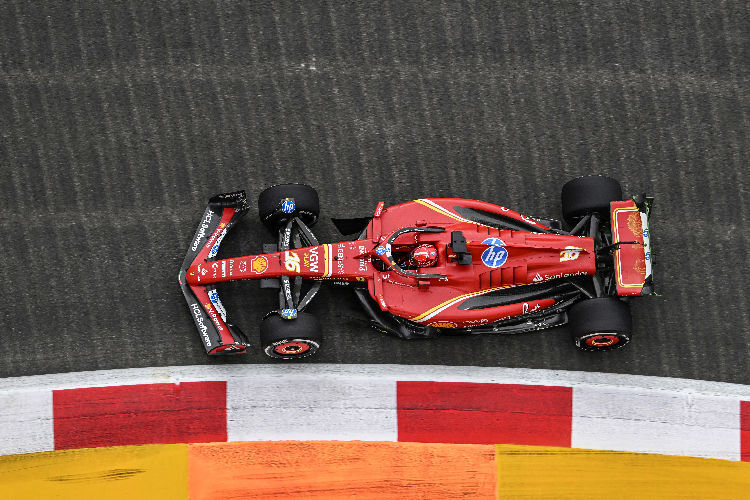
column 302, row 408
column 653, row 421
column 26, row 424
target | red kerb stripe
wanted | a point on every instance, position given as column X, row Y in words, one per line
column 189, row 412
column 458, row 412
column 745, row 431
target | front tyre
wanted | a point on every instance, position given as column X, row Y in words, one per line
column 588, row 195
column 600, row 324
column 290, row 338
column 278, row 204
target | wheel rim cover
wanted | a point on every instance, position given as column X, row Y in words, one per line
column 605, row 340
column 292, row 348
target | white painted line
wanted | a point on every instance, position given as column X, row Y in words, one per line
column 26, row 424
column 668, row 423
column 177, row 374
column 287, row 408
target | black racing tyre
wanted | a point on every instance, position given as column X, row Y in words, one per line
column 587, row 195
column 290, row 338
column 306, row 205
column 600, row 324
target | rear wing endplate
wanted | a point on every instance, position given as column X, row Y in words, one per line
column 631, row 238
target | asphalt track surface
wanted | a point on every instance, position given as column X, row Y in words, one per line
column 118, row 122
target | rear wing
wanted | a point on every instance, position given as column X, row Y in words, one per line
column 631, row 239
column 218, row 335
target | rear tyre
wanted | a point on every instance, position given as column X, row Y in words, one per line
column 587, row 195
column 274, row 212
column 600, row 324
column 290, row 338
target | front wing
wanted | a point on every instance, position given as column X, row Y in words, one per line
column 218, row 335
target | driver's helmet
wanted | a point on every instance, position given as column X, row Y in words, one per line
column 424, row 255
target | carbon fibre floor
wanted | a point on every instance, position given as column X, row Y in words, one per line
column 118, row 122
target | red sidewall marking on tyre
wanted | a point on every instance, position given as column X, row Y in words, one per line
column 291, row 348
column 602, row 340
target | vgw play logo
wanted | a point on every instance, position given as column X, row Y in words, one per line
column 496, row 254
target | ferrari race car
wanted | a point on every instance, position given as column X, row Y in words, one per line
column 431, row 266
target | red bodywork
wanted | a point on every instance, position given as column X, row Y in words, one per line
column 530, row 257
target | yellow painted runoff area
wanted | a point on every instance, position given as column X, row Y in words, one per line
column 127, row 472
column 285, row 470
column 541, row 472
column 330, row 470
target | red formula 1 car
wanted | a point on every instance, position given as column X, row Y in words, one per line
column 431, row 266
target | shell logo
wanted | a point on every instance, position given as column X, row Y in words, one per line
column 570, row 253
column 259, row 265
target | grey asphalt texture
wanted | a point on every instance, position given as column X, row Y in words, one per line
column 119, row 120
